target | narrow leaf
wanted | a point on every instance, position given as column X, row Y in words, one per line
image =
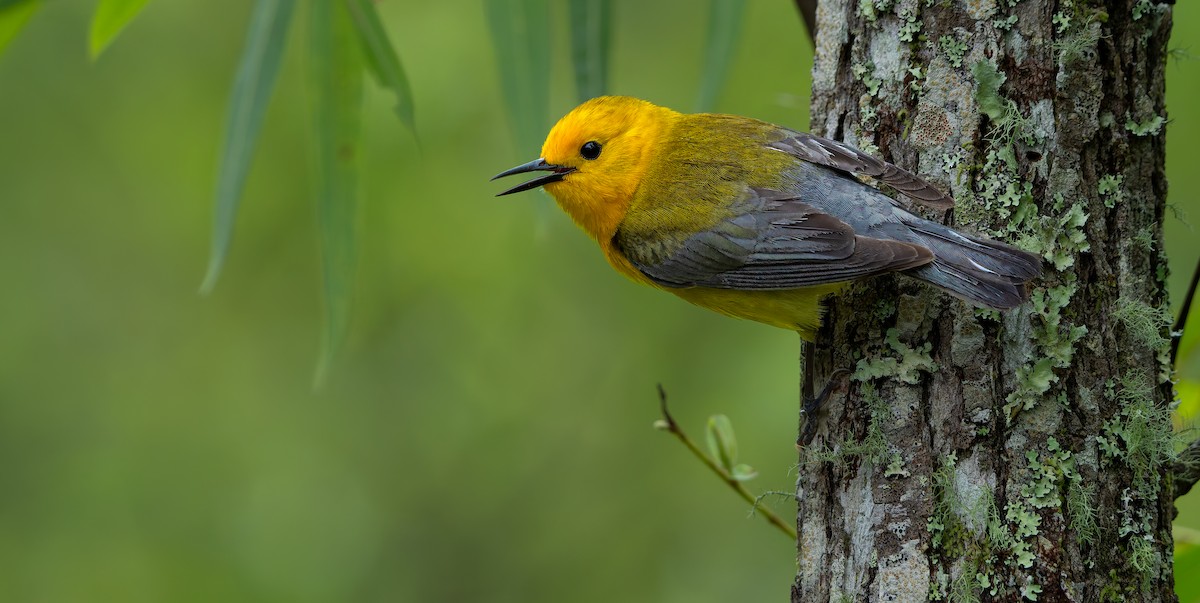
column 252, row 86
column 722, row 445
column 724, row 23
column 336, row 77
column 14, row 14
column 111, row 17
column 591, row 32
column 520, row 32
column 381, row 57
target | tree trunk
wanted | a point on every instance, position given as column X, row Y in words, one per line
column 984, row 456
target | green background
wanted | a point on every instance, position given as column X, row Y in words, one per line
column 485, row 434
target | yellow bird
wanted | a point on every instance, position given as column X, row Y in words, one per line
column 751, row 219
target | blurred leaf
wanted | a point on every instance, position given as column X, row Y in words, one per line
column 111, row 17
column 1187, row 572
column 381, row 58
column 1188, row 392
column 252, row 86
column 724, row 22
column 520, row 33
column 336, row 77
column 743, row 472
column 14, row 14
column 591, row 33
column 722, row 445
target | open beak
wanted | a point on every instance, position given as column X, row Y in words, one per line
column 557, row 172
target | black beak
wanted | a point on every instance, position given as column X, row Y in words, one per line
column 557, row 172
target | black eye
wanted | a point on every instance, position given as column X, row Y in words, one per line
column 590, row 149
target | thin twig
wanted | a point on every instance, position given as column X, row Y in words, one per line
column 808, row 11
column 1181, row 322
column 1186, row 468
column 671, row 426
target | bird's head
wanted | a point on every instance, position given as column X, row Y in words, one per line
column 595, row 158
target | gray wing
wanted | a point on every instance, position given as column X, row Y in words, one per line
column 773, row 241
column 841, row 156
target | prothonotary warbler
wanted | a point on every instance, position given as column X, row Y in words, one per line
column 751, row 219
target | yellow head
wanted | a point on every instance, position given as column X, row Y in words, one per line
column 596, row 156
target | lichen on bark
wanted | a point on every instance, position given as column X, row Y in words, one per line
column 1014, row 456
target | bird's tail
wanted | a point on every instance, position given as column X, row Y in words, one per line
column 981, row 271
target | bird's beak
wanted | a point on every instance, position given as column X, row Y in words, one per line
column 557, row 172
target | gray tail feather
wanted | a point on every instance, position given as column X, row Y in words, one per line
column 981, row 271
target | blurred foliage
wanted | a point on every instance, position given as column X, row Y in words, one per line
column 486, row 435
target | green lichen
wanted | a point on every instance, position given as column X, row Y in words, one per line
column 910, row 25
column 1061, row 21
column 1049, row 473
column 895, row 467
column 1144, row 238
column 1140, row 9
column 906, row 366
column 1005, row 23
column 872, row 9
column 1149, row 127
column 954, row 48
column 1058, row 239
column 1147, row 325
column 865, row 73
column 1030, row 592
column 1140, row 437
column 872, row 449
column 1008, row 125
column 1074, row 45
column 1110, row 189
column 1081, row 509
column 1055, row 342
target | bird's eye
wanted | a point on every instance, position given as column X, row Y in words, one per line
column 590, row 149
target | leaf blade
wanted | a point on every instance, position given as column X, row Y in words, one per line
column 522, row 47
column 591, row 37
column 381, row 57
column 253, row 84
column 109, row 20
column 13, row 17
column 337, row 78
column 724, row 25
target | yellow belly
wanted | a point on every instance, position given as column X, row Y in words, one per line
column 793, row 309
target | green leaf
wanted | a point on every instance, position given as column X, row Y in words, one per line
column 722, row 445
column 591, row 33
column 743, row 472
column 252, row 86
column 520, row 33
column 14, row 14
column 111, row 17
column 724, row 23
column 336, row 77
column 381, row 58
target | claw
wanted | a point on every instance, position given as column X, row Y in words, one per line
column 812, row 406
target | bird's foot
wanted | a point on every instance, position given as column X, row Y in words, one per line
column 810, row 407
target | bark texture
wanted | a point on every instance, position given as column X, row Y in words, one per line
column 980, row 456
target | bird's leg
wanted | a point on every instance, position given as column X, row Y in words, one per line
column 810, row 404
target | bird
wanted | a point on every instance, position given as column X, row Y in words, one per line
column 755, row 220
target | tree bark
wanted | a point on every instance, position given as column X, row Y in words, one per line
column 984, row 456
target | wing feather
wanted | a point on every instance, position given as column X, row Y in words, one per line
column 841, row 156
column 774, row 241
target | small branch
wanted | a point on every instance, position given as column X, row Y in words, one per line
column 1181, row 322
column 808, row 11
column 1187, row 468
column 668, row 424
